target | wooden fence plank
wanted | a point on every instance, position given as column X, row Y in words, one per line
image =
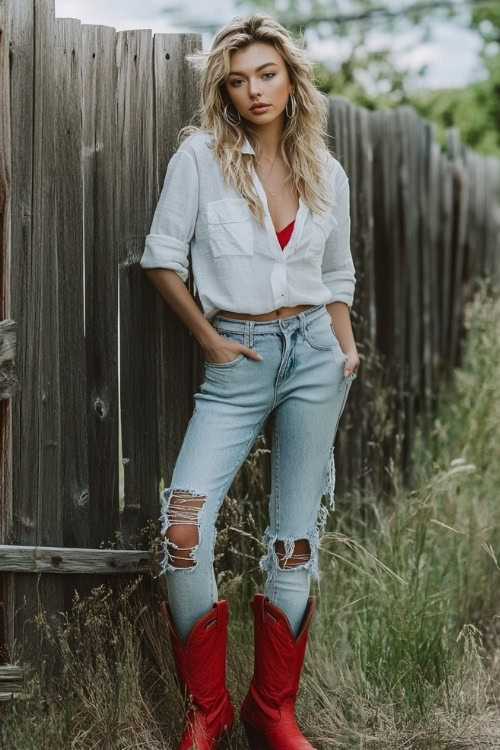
column 98, row 497
column 8, row 327
column 434, row 278
column 461, row 202
column 134, row 168
column 425, row 247
column 364, row 315
column 178, row 368
column 73, row 561
column 36, row 426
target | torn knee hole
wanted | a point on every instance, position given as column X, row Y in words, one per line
column 289, row 558
column 182, row 533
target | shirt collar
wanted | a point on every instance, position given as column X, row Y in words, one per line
column 247, row 147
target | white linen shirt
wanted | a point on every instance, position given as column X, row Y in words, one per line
column 237, row 265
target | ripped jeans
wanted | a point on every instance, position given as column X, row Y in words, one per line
column 301, row 378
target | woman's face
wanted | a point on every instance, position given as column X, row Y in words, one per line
column 258, row 74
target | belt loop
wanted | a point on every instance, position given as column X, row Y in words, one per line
column 246, row 332
column 302, row 319
column 252, row 326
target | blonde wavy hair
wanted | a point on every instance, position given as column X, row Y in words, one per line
column 303, row 145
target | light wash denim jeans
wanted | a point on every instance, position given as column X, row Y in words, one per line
column 301, row 378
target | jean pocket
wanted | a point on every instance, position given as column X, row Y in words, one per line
column 345, row 387
column 230, row 228
column 347, row 380
column 233, row 362
column 319, row 333
column 231, row 337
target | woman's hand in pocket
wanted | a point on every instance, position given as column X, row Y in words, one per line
column 352, row 362
column 222, row 350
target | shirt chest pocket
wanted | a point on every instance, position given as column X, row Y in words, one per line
column 322, row 225
column 230, row 227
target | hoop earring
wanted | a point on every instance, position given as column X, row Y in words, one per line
column 294, row 106
column 229, row 117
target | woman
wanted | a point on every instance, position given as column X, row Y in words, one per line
column 262, row 208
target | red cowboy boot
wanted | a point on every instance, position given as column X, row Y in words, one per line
column 201, row 673
column 268, row 709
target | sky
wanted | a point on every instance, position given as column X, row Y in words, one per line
column 451, row 54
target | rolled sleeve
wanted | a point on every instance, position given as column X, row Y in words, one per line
column 168, row 243
column 337, row 267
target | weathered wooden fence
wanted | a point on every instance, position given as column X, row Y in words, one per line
column 97, row 373
column 425, row 231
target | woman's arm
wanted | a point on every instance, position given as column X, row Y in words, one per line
column 174, row 291
column 165, row 259
column 341, row 323
column 338, row 272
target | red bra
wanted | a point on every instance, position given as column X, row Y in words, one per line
column 284, row 234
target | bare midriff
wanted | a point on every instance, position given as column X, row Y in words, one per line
column 282, row 312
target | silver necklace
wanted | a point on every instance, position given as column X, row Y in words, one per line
column 273, row 194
